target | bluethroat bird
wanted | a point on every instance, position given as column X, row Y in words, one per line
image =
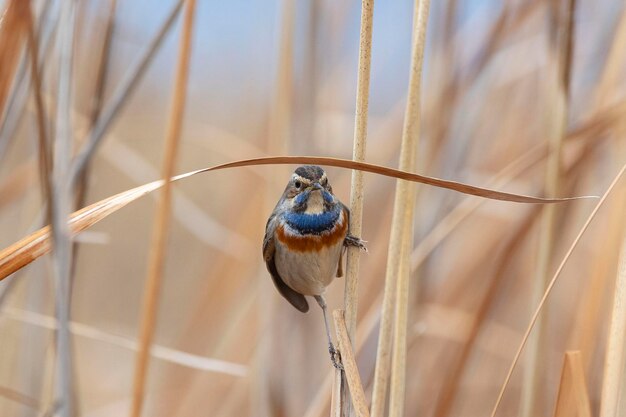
column 305, row 238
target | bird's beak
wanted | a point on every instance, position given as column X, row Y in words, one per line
column 316, row 186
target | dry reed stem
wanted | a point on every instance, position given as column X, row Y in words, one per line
column 388, row 172
column 402, row 225
column 237, row 319
column 98, row 97
column 423, row 249
column 557, row 121
column 494, row 39
column 358, row 154
column 60, row 203
column 166, row 354
column 16, row 102
column 335, row 398
column 31, row 247
column 402, row 205
column 551, row 285
column 105, row 58
column 161, row 221
column 119, row 97
column 445, row 399
column 589, row 313
column 351, row 293
column 368, row 324
column 38, row 243
column 349, row 363
column 612, row 384
column 45, row 166
column 18, row 397
column 278, row 135
column 573, row 399
column 515, row 168
column 12, row 29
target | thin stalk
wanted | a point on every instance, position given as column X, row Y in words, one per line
column 519, row 236
column 335, row 399
column 11, row 394
column 100, row 84
column 160, row 352
column 358, row 154
column 60, row 203
column 12, row 30
column 119, row 97
column 550, row 286
column 278, row 133
column 349, row 363
column 612, row 384
column 351, row 292
column 16, row 102
column 405, row 196
column 532, row 387
column 448, row 393
column 403, row 206
column 425, row 247
column 45, row 166
column 161, row 221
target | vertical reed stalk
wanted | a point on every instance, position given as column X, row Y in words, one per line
column 161, row 221
column 45, row 165
column 550, row 286
column 532, row 386
column 15, row 103
column 278, row 133
column 351, row 292
column 395, row 298
column 612, row 384
column 124, row 89
column 349, row 363
column 12, row 25
column 60, row 202
column 358, row 154
column 100, row 84
column 339, row 397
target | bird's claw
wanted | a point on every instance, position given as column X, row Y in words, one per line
column 356, row 242
column 335, row 357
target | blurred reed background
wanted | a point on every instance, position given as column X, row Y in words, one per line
column 516, row 95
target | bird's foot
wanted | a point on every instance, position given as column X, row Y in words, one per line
column 335, row 357
column 356, row 242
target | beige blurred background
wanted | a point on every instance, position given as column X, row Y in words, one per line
column 265, row 73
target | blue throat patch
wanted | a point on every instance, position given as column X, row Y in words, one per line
column 303, row 197
column 313, row 223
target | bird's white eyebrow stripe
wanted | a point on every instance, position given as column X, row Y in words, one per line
column 306, row 180
column 298, row 177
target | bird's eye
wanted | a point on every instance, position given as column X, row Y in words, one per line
column 298, row 184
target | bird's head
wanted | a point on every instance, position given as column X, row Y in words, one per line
column 309, row 191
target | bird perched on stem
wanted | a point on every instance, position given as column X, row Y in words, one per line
column 305, row 237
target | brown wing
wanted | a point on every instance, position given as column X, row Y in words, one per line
column 295, row 298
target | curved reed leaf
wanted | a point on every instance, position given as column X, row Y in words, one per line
column 37, row 244
column 388, row 172
column 550, row 286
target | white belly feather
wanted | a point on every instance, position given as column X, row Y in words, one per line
column 308, row 273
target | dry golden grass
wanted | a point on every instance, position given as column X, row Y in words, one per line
column 515, row 104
